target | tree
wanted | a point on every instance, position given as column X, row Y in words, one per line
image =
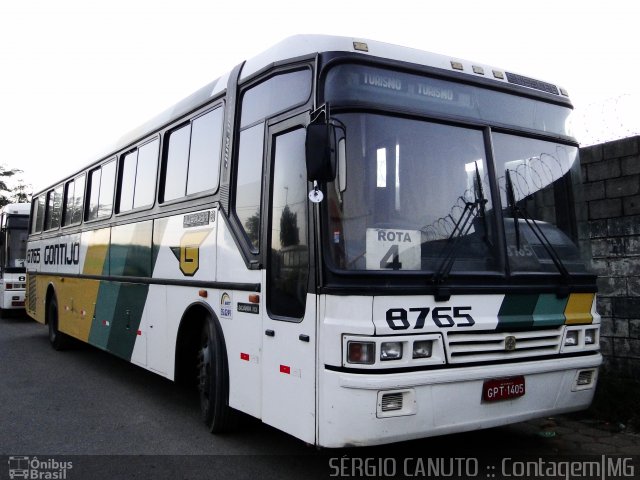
column 252, row 227
column 9, row 194
column 20, row 193
column 289, row 231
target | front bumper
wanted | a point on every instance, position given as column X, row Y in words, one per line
column 445, row 401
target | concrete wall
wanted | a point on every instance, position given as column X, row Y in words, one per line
column 611, row 175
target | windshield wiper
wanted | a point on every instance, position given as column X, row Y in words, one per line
column 513, row 206
column 482, row 202
column 517, row 212
column 461, row 228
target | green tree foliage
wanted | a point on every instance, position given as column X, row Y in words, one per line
column 252, row 227
column 289, row 231
column 8, row 192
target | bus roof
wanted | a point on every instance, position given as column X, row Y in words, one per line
column 16, row 209
column 298, row 46
column 303, row 45
column 306, row 45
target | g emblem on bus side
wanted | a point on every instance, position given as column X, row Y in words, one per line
column 188, row 254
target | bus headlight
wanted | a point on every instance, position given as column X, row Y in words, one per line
column 391, row 351
column 571, row 340
column 590, row 336
column 422, row 349
column 361, row 352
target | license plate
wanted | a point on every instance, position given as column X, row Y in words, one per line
column 503, row 388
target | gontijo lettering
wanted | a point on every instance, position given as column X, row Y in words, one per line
column 62, row 254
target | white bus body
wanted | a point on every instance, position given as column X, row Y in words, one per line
column 14, row 220
column 424, row 279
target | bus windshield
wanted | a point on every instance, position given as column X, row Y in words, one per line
column 410, row 189
column 415, row 195
column 16, row 238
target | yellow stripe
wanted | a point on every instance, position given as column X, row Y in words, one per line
column 578, row 308
column 97, row 249
column 77, row 297
column 76, row 304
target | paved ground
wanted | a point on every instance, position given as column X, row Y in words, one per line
column 115, row 420
column 579, row 434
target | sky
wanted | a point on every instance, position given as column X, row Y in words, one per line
column 75, row 75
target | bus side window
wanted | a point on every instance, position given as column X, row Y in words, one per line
column 249, row 183
column 73, row 200
column 193, row 156
column 78, row 200
column 94, row 193
column 266, row 99
column 107, row 184
column 101, row 183
column 138, row 177
column 67, row 207
column 128, row 181
column 54, row 209
column 37, row 223
column 204, row 153
column 146, row 174
column 177, row 163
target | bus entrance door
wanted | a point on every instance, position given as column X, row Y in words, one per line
column 288, row 374
column 289, row 322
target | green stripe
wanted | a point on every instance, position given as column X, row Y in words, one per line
column 126, row 319
column 130, row 250
column 549, row 310
column 119, row 306
column 117, row 319
column 105, row 306
column 522, row 311
column 516, row 311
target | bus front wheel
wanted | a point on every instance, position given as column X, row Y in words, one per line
column 213, row 380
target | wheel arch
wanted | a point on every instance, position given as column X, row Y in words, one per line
column 187, row 341
column 51, row 292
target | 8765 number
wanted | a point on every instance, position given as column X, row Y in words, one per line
column 442, row 317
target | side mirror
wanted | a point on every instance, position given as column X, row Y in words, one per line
column 320, row 147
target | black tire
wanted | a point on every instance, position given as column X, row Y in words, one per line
column 58, row 340
column 213, row 381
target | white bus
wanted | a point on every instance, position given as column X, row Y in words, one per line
column 14, row 222
column 355, row 242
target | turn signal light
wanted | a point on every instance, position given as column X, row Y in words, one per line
column 361, row 352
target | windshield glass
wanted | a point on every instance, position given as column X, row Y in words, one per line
column 537, row 180
column 414, row 195
column 16, row 247
column 409, row 195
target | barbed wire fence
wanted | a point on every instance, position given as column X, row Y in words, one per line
column 612, row 119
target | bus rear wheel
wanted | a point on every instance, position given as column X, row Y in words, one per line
column 213, row 381
column 58, row 340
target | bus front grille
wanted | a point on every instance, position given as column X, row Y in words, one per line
column 463, row 347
